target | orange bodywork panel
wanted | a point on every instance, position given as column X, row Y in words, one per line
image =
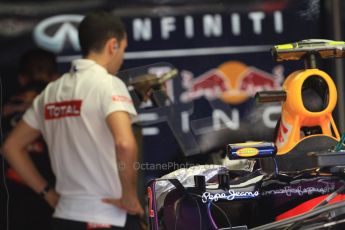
column 295, row 115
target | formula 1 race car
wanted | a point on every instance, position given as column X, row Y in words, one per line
column 297, row 182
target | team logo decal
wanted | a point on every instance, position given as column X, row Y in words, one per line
column 232, row 82
column 62, row 109
column 55, row 32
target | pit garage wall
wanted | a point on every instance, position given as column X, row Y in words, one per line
column 204, row 40
column 201, row 40
column 218, row 47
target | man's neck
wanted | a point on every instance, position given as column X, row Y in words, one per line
column 99, row 59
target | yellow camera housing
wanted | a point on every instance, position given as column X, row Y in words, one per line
column 295, row 115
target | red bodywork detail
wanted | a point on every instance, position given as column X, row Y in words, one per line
column 282, row 129
column 308, row 205
column 149, row 195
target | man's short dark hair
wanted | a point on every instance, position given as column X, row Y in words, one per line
column 96, row 28
column 37, row 62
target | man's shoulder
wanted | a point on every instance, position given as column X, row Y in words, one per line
column 108, row 80
column 117, row 81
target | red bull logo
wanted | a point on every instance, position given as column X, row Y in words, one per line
column 232, row 82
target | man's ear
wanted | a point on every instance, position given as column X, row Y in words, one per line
column 112, row 45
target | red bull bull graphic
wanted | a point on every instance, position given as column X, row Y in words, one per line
column 233, row 82
column 283, row 133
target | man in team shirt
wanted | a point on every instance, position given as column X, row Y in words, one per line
column 85, row 117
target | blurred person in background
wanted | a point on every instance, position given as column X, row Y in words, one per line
column 37, row 68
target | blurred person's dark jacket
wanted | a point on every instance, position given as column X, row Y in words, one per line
column 27, row 210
